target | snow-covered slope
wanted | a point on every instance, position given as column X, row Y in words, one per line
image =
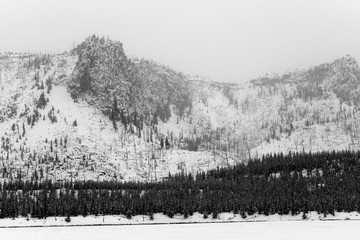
column 96, row 114
column 64, row 137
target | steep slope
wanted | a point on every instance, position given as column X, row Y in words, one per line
column 94, row 113
column 52, row 126
column 309, row 110
column 104, row 73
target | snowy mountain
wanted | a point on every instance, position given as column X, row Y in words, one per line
column 95, row 113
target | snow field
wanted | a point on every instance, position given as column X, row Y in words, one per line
column 291, row 230
column 160, row 218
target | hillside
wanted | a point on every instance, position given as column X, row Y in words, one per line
column 95, row 113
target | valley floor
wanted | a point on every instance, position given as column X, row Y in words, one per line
column 279, row 230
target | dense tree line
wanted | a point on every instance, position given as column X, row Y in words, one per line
column 291, row 184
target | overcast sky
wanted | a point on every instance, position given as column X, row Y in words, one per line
column 225, row 40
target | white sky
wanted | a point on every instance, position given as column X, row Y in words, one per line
column 226, row 40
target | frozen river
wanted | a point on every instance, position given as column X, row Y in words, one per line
column 289, row 230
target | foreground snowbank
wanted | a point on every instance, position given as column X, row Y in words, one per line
column 278, row 230
column 160, row 218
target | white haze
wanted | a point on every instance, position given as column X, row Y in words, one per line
column 225, row 40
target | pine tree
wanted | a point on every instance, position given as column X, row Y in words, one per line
column 167, row 143
column 42, row 101
column 23, row 129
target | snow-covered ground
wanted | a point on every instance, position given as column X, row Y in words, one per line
column 160, row 218
column 290, row 230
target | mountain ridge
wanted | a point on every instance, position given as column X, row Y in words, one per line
column 134, row 119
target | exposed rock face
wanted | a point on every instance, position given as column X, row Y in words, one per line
column 95, row 113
